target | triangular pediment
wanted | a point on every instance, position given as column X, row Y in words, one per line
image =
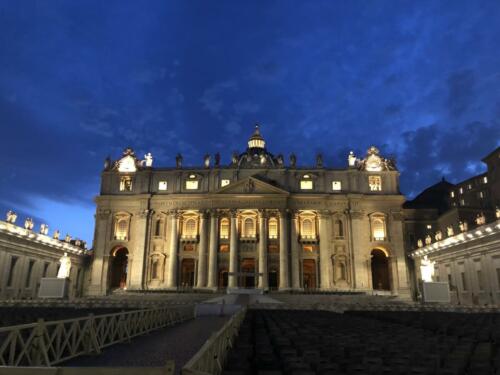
column 251, row 185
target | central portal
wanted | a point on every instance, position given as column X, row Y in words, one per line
column 247, row 278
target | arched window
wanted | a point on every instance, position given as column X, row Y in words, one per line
column 158, row 225
column 154, row 269
column 121, row 229
column 378, row 228
column 190, row 227
column 249, row 228
column 273, row 228
column 307, row 228
column 339, row 228
column 224, row 228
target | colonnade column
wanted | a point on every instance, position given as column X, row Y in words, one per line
column 174, row 243
column 202, row 253
column 295, row 249
column 233, row 252
column 212, row 251
column 263, row 276
column 324, row 249
column 283, row 233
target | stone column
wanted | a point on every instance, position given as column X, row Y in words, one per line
column 202, row 252
column 263, row 276
column 174, row 243
column 136, row 275
column 99, row 269
column 324, row 250
column 233, row 252
column 283, row 233
column 295, row 251
column 212, row 256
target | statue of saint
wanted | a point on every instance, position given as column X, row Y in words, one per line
column 206, row 161
column 438, row 236
column 148, row 160
column 426, row 269
column 428, row 240
column 463, row 226
column 280, row 160
column 178, row 161
column 11, row 217
column 293, row 160
column 420, row 243
column 217, row 160
column 234, row 158
column 319, row 161
column 449, row 231
column 107, row 163
column 56, row 234
column 351, row 159
column 67, row 238
column 480, row 219
column 28, row 223
column 44, row 229
column 497, row 212
column 263, row 159
column 65, row 267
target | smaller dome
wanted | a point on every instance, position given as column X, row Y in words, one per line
column 256, row 140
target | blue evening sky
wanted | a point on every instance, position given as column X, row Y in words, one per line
column 80, row 80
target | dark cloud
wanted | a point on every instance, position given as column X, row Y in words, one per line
column 460, row 92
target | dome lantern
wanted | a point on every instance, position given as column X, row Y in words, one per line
column 256, row 140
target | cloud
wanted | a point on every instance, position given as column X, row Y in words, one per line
column 460, row 92
column 213, row 98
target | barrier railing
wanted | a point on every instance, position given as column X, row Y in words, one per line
column 212, row 355
column 48, row 343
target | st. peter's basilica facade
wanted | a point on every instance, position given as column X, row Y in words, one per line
column 259, row 222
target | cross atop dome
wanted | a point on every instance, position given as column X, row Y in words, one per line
column 256, row 140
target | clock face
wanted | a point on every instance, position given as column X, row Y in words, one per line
column 127, row 164
column 373, row 163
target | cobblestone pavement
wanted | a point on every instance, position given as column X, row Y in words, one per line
column 178, row 343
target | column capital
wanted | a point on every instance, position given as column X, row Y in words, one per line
column 144, row 214
column 233, row 213
column 214, row 213
column 175, row 213
column 283, row 213
column 263, row 214
column 203, row 214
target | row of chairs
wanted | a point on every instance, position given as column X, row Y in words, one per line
column 273, row 342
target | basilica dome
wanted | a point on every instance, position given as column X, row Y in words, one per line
column 256, row 155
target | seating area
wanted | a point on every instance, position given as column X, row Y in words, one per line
column 274, row 342
column 295, row 299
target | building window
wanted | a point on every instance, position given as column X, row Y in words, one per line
column 224, row 248
column 190, row 228
column 308, row 248
column 125, row 183
column 12, row 268
column 452, row 194
column 273, row 228
column 162, row 185
column 30, row 271
column 375, row 183
column 273, row 249
column 249, row 228
column 224, row 182
column 224, row 228
column 485, row 180
column 192, row 183
column 121, row 229
column 461, row 190
column 336, row 185
column 470, row 186
column 158, row 225
column 338, row 228
column 462, row 202
column 308, row 230
column 154, row 269
column 378, row 228
column 306, row 183
column 429, row 226
column 481, row 194
column 464, row 281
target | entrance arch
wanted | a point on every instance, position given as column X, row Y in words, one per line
column 273, row 279
column 187, row 272
column 119, row 268
column 309, row 274
column 248, row 271
column 223, row 277
column 380, row 270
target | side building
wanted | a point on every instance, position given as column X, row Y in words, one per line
column 255, row 223
column 26, row 256
column 457, row 226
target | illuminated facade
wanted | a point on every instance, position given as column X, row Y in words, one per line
column 255, row 223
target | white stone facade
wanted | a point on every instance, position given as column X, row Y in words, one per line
column 255, row 223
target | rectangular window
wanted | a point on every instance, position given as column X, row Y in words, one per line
column 461, row 190
column 28, row 274
column 462, row 202
column 470, row 186
column 375, row 183
column 12, row 268
column 452, row 194
column 485, row 180
column 481, row 194
column 224, row 248
column 126, row 183
column 464, row 281
column 306, row 185
column 308, row 248
column 336, row 185
column 224, row 182
column 162, row 185
column 191, row 184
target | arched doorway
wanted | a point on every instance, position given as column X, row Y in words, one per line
column 309, row 274
column 273, row 279
column 223, row 277
column 119, row 268
column 187, row 272
column 380, row 270
column 248, row 273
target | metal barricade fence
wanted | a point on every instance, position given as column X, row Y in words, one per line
column 212, row 355
column 48, row 343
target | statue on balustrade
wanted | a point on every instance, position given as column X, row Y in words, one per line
column 319, row 161
column 206, row 161
column 420, row 243
column 449, row 231
column 217, row 160
column 56, row 235
column 463, row 226
column 426, row 269
column 178, row 161
column 293, row 160
column 28, row 223
column 438, row 236
column 148, row 160
column 65, row 267
column 11, row 217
